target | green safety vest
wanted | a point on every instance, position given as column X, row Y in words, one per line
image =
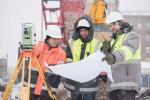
column 128, row 53
column 75, row 46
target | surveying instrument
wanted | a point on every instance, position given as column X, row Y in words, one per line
column 24, row 63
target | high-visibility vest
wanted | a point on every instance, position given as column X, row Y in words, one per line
column 128, row 53
column 44, row 54
column 76, row 48
column 129, row 67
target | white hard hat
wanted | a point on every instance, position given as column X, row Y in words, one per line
column 113, row 17
column 83, row 23
column 54, row 31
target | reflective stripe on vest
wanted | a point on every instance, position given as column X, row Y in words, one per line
column 124, row 84
column 127, row 52
column 35, row 69
column 71, row 43
column 33, row 85
column 94, row 89
column 97, row 46
column 75, row 47
column 137, row 54
column 132, row 61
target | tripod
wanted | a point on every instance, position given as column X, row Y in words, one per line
column 25, row 90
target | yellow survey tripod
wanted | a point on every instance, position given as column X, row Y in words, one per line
column 20, row 66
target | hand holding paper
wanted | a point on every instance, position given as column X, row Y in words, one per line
column 84, row 70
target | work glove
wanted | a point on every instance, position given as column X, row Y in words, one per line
column 110, row 59
column 106, row 48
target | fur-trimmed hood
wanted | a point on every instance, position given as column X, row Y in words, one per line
column 76, row 34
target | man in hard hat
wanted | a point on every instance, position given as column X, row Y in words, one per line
column 123, row 53
column 46, row 52
column 80, row 46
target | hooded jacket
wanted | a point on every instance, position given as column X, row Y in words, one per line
column 76, row 34
column 77, row 50
column 51, row 56
column 126, row 69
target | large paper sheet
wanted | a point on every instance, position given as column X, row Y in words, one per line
column 83, row 70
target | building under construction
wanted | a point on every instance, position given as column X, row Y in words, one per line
column 3, row 68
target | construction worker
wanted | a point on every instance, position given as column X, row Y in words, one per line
column 80, row 46
column 123, row 53
column 49, row 52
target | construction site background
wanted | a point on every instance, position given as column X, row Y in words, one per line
column 141, row 24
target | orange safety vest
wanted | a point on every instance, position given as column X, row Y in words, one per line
column 48, row 55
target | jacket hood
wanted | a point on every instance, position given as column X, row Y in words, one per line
column 76, row 34
column 126, row 27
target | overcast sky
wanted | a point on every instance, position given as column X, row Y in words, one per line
column 14, row 12
column 135, row 7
